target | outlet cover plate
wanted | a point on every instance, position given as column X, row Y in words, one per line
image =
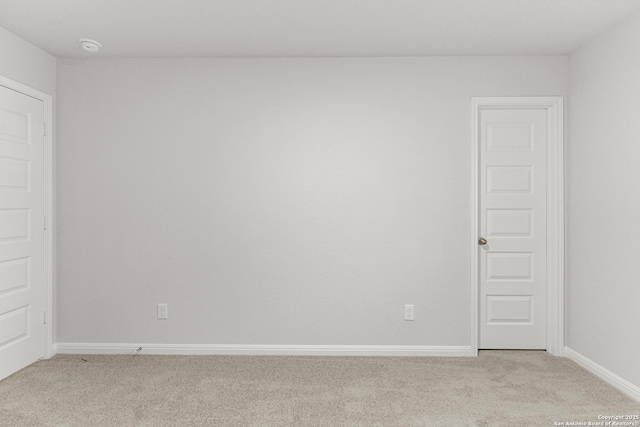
column 409, row 313
column 163, row 311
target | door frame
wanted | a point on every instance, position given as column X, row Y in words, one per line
column 553, row 105
column 47, row 99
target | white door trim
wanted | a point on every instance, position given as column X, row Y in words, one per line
column 555, row 213
column 48, row 203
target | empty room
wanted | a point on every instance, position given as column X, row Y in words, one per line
column 319, row 213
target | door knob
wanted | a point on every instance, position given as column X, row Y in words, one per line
column 482, row 241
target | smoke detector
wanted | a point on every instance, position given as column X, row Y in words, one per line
column 90, row 45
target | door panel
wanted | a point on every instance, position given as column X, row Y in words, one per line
column 513, row 221
column 22, row 296
column 509, row 223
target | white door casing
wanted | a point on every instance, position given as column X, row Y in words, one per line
column 25, row 245
column 517, row 284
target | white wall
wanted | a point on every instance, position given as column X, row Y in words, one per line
column 27, row 64
column 603, row 258
column 272, row 201
column 23, row 62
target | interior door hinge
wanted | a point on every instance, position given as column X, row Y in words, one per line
column 44, row 128
column 44, row 317
column 44, row 223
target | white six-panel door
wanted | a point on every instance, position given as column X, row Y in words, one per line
column 22, row 296
column 513, row 220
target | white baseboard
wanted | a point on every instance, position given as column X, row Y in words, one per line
column 265, row 350
column 620, row 383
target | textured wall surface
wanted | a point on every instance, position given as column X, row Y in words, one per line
column 26, row 64
column 272, row 201
column 23, row 62
column 603, row 197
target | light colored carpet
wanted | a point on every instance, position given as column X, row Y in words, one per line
column 499, row 388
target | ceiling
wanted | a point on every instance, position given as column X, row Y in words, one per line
column 311, row 28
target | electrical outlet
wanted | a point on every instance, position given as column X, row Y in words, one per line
column 408, row 312
column 163, row 311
